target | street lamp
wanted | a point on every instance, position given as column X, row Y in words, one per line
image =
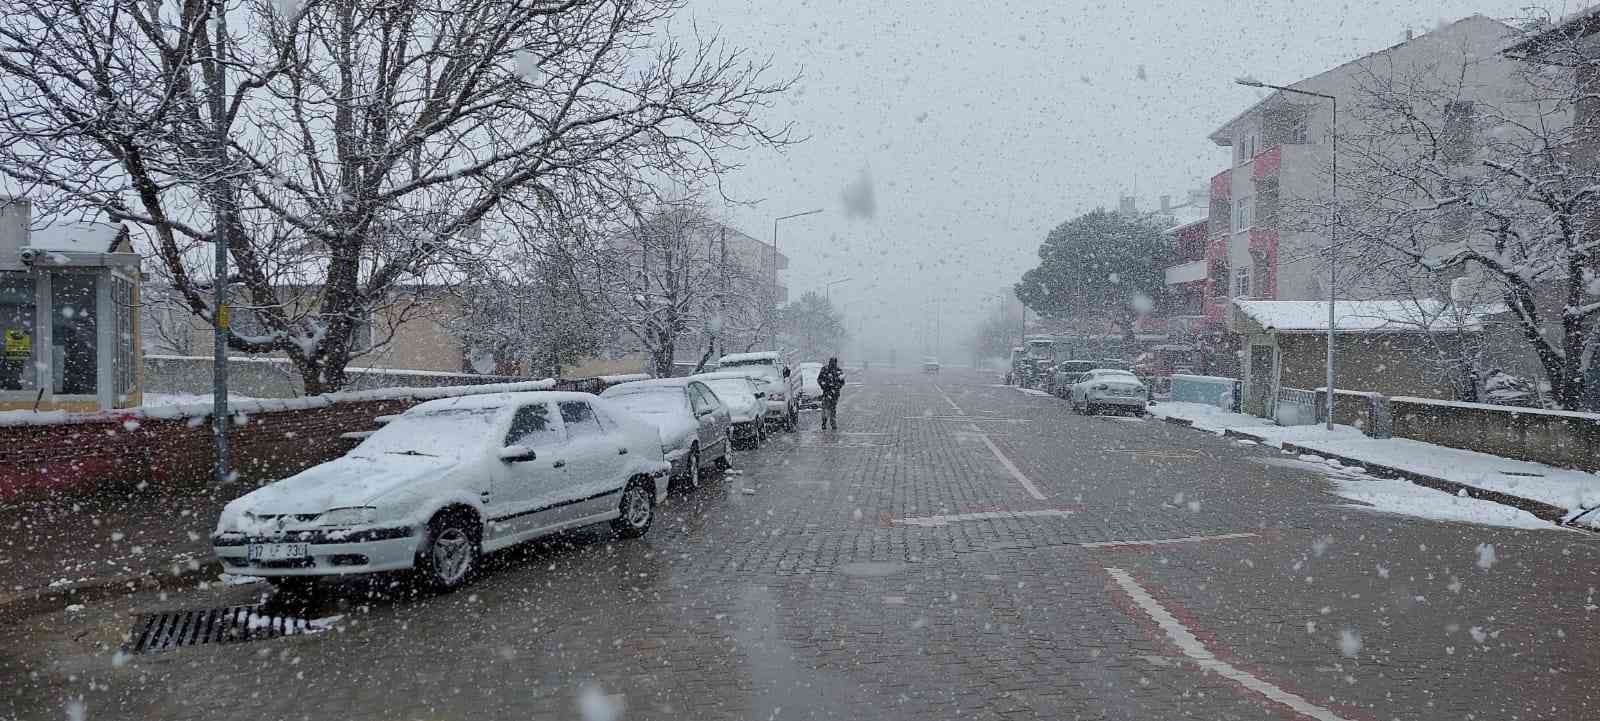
column 774, row 329
column 1333, row 232
column 827, row 290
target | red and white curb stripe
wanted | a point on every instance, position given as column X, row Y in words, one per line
column 1196, row 651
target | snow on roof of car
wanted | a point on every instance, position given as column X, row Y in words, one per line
column 646, row 385
column 720, row 376
column 1356, row 316
column 757, row 357
column 496, row 400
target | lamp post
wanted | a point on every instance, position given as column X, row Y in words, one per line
column 1333, row 232
column 774, row 329
column 827, row 290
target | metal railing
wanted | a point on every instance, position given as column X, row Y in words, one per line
column 1295, row 407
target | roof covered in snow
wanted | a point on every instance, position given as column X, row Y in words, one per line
column 1356, row 316
column 77, row 237
column 1184, row 216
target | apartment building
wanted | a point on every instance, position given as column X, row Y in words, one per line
column 1267, row 240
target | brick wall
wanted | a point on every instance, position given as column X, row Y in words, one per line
column 157, row 449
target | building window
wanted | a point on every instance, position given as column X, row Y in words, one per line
column 124, row 367
column 1241, row 213
column 1241, row 283
column 18, row 336
column 1458, row 137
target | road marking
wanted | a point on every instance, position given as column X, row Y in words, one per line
column 1168, row 541
column 1191, row 646
column 967, row 419
column 932, row 521
column 946, row 397
column 1015, row 472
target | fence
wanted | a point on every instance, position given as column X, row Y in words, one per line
column 265, row 377
column 1294, row 407
column 1208, row 390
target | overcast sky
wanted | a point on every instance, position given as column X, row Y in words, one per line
column 983, row 125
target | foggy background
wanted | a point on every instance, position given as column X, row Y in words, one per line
column 947, row 138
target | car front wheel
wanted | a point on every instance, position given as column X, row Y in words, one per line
column 638, row 510
column 451, row 554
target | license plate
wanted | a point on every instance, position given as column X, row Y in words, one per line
column 277, row 551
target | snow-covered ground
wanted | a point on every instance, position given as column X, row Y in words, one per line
column 186, row 399
column 1400, row 497
column 1573, row 490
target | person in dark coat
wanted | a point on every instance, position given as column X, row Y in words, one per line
column 831, row 378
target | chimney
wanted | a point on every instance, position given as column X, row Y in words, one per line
column 1408, row 35
column 1128, row 205
column 16, row 218
column 1166, row 203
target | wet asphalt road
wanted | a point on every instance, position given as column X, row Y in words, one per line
column 958, row 550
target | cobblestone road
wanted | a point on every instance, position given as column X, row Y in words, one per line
column 959, row 550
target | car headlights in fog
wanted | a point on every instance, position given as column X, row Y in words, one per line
column 356, row 516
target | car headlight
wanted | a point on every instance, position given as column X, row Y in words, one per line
column 356, row 516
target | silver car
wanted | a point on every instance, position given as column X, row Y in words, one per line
column 695, row 424
column 1105, row 388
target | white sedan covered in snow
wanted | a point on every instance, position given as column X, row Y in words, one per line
column 747, row 406
column 693, row 422
column 445, row 482
column 1105, row 388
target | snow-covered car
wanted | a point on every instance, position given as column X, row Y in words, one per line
column 746, row 406
column 445, row 482
column 930, row 365
column 1104, row 388
column 767, row 369
column 810, row 389
column 1069, row 372
column 693, row 423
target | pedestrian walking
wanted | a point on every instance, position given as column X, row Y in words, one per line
column 831, row 378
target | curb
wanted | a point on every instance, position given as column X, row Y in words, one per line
column 42, row 600
column 1539, row 509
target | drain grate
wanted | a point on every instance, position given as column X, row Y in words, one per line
column 157, row 632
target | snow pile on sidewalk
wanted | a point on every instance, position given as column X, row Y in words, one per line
column 1386, row 495
column 1573, row 490
column 1207, row 417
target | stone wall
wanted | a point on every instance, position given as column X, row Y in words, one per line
column 1558, row 438
column 1366, row 411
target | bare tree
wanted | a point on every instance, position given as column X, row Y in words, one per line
column 812, row 326
column 345, row 147
column 1494, row 191
column 665, row 281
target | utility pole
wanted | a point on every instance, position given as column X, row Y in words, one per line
column 220, row 320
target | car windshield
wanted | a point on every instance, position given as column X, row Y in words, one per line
column 1272, row 328
column 448, row 432
column 652, row 401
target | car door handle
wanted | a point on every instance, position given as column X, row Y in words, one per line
column 622, row 451
column 559, row 464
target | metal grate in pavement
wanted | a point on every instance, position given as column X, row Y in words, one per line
column 157, row 632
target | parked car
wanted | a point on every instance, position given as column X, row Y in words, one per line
column 693, row 422
column 810, row 389
column 782, row 387
column 1106, row 388
column 930, row 364
column 1069, row 372
column 445, row 482
column 746, row 406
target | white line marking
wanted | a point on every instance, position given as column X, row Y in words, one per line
column 1168, row 541
column 1015, row 472
column 1197, row 651
column 931, row 521
column 947, row 400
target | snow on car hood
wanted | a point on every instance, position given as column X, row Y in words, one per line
column 343, row 482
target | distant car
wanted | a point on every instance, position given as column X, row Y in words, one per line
column 930, row 365
column 781, row 386
column 810, row 389
column 445, row 482
column 746, row 403
column 695, row 425
column 1069, row 372
column 1109, row 388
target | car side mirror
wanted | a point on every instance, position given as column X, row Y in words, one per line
column 761, row 394
column 517, row 454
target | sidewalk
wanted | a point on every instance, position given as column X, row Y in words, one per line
column 1560, row 495
column 56, row 552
